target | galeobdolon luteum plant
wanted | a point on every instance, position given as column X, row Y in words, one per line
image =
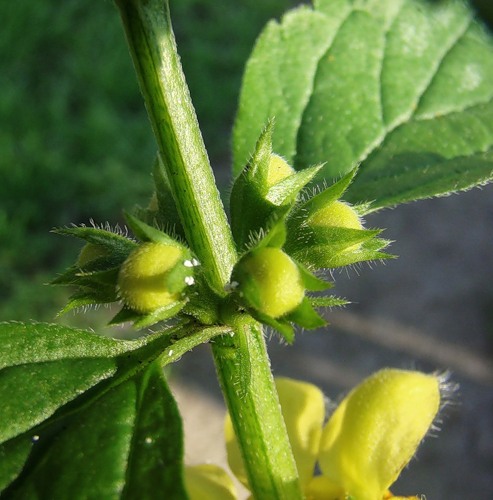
column 347, row 107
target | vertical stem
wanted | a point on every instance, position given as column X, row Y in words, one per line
column 255, row 408
column 255, row 411
column 174, row 122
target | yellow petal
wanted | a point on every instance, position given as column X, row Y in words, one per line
column 209, row 482
column 375, row 431
column 322, row 488
column 303, row 409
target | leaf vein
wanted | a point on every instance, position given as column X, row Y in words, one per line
column 406, row 119
column 384, row 58
column 438, row 65
column 310, row 92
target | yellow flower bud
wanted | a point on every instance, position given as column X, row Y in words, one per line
column 336, row 214
column 270, row 281
column 142, row 277
column 278, row 170
column 375, row 431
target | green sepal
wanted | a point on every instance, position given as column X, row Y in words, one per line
column 253, row 202
column 116, row 244
column 306, row 316
column 274, row 235
column 98, row 287
column 312, row 282
column 180, row 274
column 141, row 321
column 249, row 210
column 96, row 279
column 327, row 301
column 68, row 277
column 326, row 196
column 102, row 270
column 281, row 325
column 286, row 191
column 81, row 300
column 329, row 247
column 146, row 233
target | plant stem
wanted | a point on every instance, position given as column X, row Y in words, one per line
column 180, row 143
column 255, row 408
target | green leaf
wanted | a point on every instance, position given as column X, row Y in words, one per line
column 157, row 448
column 13, row 456
column 402, row 88
column 126, row 444
column 45, row 367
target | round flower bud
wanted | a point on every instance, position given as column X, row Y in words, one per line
column 336, row 214
column 278, row 170
column 142, row 281
column 269, row 281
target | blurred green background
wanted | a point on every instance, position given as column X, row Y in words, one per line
column 75, row 143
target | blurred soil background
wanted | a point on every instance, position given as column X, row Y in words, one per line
column 75, row 145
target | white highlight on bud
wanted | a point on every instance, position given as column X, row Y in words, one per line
column 191, row 263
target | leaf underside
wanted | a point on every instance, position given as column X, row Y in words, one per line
column 403, row 88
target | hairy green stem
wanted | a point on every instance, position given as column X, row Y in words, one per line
column 251, row 396
column 244, row 370
column 174, row 122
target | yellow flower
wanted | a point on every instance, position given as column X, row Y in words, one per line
column 363, row 447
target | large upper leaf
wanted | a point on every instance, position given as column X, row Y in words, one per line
column 69, row 396
column 404, row 87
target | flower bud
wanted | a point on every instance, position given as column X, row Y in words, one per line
column 269, row 281
column 89, row 253
column 278, row 170
column 153, row 276
column 335, row 214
